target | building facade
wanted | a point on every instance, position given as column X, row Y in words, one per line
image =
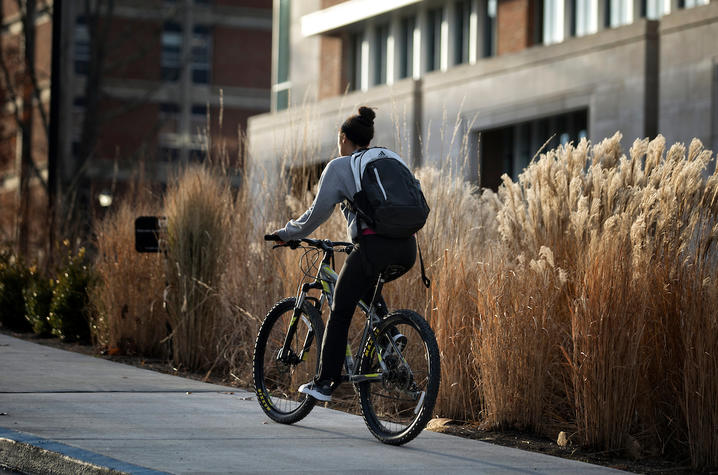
column 484, row 84
column 157, row 82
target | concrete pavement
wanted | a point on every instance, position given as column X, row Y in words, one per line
column 90, row 415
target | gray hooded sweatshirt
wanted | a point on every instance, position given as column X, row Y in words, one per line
column 336, row 186
column 340, row 180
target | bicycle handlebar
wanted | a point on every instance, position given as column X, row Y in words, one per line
column 323, row 244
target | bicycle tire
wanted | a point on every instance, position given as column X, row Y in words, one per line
column 416, row 372
column 276, row 382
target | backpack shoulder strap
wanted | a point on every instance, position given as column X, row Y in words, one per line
column 357, row 169
column 424, row 278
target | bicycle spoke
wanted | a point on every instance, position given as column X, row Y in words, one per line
column 277, row 379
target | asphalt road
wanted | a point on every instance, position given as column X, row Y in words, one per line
column 89, row 415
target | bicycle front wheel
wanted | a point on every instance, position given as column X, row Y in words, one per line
column 397, row 408
column 278, row 375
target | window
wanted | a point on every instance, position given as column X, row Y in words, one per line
column 621, row 12
column 201, row 52
column 655, row 9
column 355, row 61
column 585, row 14
column 434, row 19
column 553, row 15
column 406, row 47
column 281, row 85
column 171, row 61
column 461, row 37
column 509, row 149
column 490, row 29
column 381, row 36
column 82, row 47
column 198, row 121
column 692, row 3
column 169, row 153
column 169, row 119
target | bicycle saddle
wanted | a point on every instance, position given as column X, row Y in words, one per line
column 392, row 272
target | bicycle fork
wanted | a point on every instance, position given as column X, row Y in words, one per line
column 285, row 353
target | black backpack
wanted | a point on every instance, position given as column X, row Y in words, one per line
column 388, row 198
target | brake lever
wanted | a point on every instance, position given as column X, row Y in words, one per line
column 290, row 244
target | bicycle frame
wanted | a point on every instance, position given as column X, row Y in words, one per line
column 325, row 281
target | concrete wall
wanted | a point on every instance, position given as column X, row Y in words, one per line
column 304, row 56
column 605, row 73
column 688, row 100
column 309, row 134
column 642, row 79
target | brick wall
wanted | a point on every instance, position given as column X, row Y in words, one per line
column 235, row 64
column 9, row 7
column 127, row 129
column 134, row 49
column 514, row 25
column 43, row 50
column 37, row 224
column 332, row 76
column 226, row 140
column 8, row 138
column 332, row 80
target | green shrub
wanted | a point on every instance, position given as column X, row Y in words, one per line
column 13, row 278
column 69, row 309
column 38, row 296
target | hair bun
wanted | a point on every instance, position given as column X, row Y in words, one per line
column 367, row 114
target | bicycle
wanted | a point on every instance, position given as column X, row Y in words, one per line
column 395, row 371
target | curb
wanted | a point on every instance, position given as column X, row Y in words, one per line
column 29, row 454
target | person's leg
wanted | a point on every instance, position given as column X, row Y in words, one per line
column 357, row 280
column 352, row 284
column 393, row 257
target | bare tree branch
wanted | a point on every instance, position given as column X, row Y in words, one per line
column 29, row 32
column 12, row 92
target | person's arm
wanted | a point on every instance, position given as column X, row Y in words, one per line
column 328, row 196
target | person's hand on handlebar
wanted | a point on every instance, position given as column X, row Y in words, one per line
column 275, row 237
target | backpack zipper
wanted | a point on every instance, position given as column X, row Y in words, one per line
column 378, row 180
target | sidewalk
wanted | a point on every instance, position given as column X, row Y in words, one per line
column 79, row 414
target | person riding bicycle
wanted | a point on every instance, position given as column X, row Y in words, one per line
column 373, row 254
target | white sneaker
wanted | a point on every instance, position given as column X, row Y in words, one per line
column 317, row 391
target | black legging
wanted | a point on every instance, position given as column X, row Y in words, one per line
column 357, row 281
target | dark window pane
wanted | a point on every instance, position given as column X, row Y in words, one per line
column 171, row 61
column 406, row 65
column 461, row 38
column 283, row 42
column 382, row 34
column 82, row 47
column 355, row 61
column 201, row 52
column 433, row 40
column 282, row 99
column 508, row 149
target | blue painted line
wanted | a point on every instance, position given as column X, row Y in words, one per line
column 76, row 453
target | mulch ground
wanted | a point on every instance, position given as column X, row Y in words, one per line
column 514, row 439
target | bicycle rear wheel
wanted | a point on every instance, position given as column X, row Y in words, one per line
column 398, row 408
column 276, row 379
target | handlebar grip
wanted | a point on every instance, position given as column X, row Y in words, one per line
column 271, row 237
